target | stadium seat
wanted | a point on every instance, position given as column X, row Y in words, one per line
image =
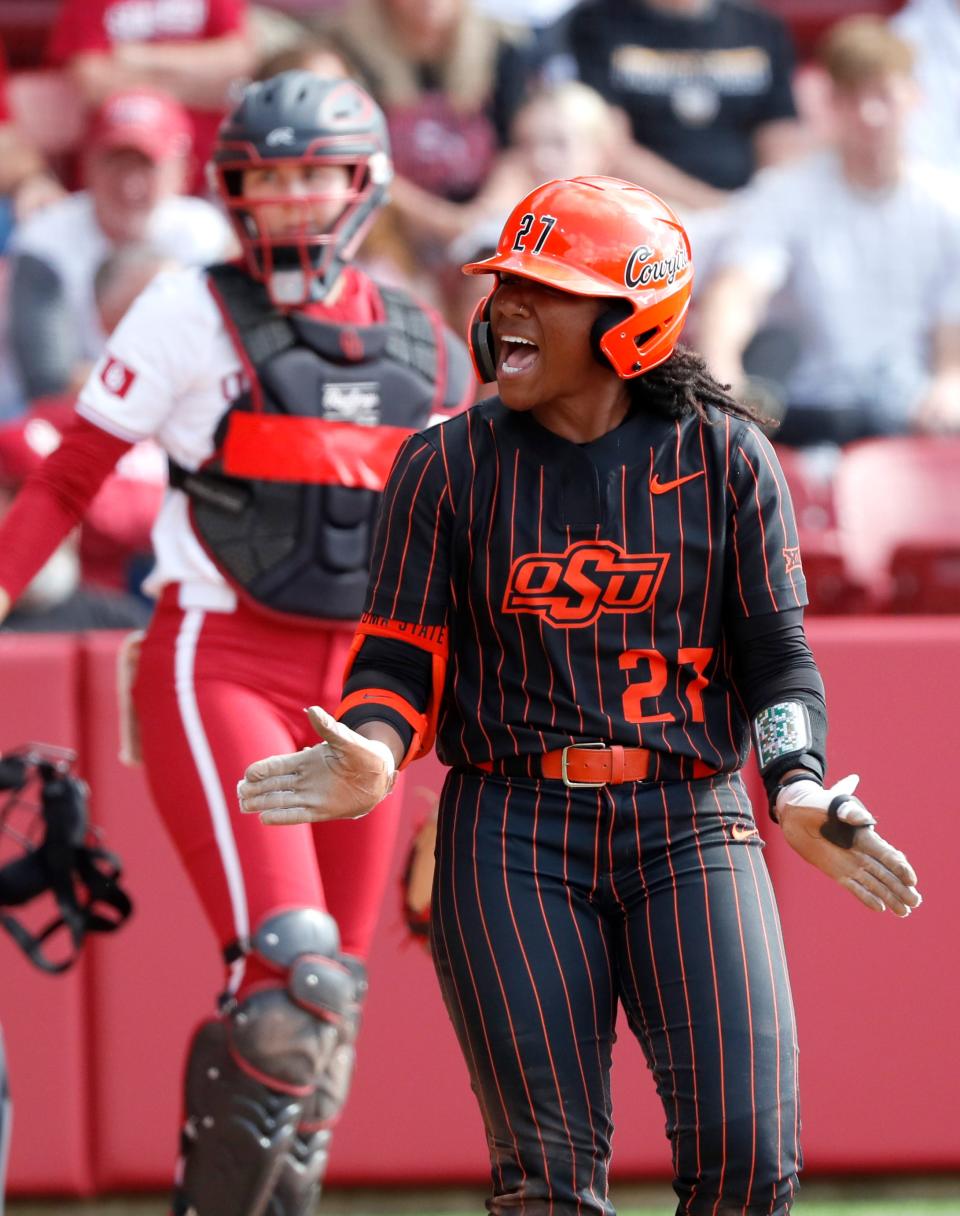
column 898, row 515
column 829, row 585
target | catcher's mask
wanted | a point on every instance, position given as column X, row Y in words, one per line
column 47, row 844
column 298, row 118
column 597, row 236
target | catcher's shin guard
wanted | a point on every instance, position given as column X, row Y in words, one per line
column 251, row 1072
column 305, row 1162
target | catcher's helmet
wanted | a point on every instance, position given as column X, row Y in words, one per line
column 598, row 236
column 299, row 118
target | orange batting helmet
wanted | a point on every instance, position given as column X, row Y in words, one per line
column 598, row 236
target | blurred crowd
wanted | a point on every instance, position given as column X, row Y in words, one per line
column 820, row 186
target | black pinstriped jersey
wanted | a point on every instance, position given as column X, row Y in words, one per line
column 580, row 591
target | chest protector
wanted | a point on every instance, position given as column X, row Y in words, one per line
column 286, row 505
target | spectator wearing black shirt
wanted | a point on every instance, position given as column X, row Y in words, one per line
column 706, row 85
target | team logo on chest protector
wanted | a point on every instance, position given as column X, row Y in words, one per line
column 357, row 403
column 571, row 589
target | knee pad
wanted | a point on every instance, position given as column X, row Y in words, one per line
column 300, row 1179
column 285, row 1035
column 251, row 1072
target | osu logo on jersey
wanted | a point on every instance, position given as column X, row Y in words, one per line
column 572, row 588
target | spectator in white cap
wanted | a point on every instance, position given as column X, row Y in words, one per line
column 135, row 164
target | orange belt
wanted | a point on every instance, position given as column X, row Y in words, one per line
column 595, row 764
column 591, row 765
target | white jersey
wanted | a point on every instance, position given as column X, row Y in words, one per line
column 67, row 237
column 169, row 372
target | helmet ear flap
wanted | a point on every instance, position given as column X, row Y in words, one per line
column 480, row 343
column 618, row 311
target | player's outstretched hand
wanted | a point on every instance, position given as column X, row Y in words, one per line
column 343, row 777
column 834, row 831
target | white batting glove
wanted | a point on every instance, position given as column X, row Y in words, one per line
column 344, row 777
column 834, row 831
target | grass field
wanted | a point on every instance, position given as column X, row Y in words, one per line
column 866, row 1197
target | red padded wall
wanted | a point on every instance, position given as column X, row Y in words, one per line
column 44, row 1017
column 875, row 995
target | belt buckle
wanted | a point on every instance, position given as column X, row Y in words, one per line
column 580, row 785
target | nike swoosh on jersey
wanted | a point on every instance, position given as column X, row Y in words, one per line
column 742, row 831
column 664, row 487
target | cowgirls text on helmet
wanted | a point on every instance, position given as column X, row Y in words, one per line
column 298, row 118
column 597, row 236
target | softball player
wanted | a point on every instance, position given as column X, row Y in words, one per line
column 590, row 587
column 280, row 387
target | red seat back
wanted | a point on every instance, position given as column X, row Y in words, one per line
column 898, row 511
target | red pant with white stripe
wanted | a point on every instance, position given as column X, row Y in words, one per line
column 552, row 907
column 214, row 692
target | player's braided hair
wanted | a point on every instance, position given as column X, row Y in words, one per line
column 683, row 385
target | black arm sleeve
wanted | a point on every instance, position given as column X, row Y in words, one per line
column 399, row 668
column 772, row 662
column 42, row 332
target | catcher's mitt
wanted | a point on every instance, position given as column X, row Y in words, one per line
column 416, row 884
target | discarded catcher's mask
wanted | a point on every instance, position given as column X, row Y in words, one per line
column 48, row 845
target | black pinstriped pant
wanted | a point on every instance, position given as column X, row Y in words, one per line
column 550, row 907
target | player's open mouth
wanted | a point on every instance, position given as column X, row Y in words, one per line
column 517, row 355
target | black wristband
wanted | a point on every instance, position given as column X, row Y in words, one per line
column 373, row 712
